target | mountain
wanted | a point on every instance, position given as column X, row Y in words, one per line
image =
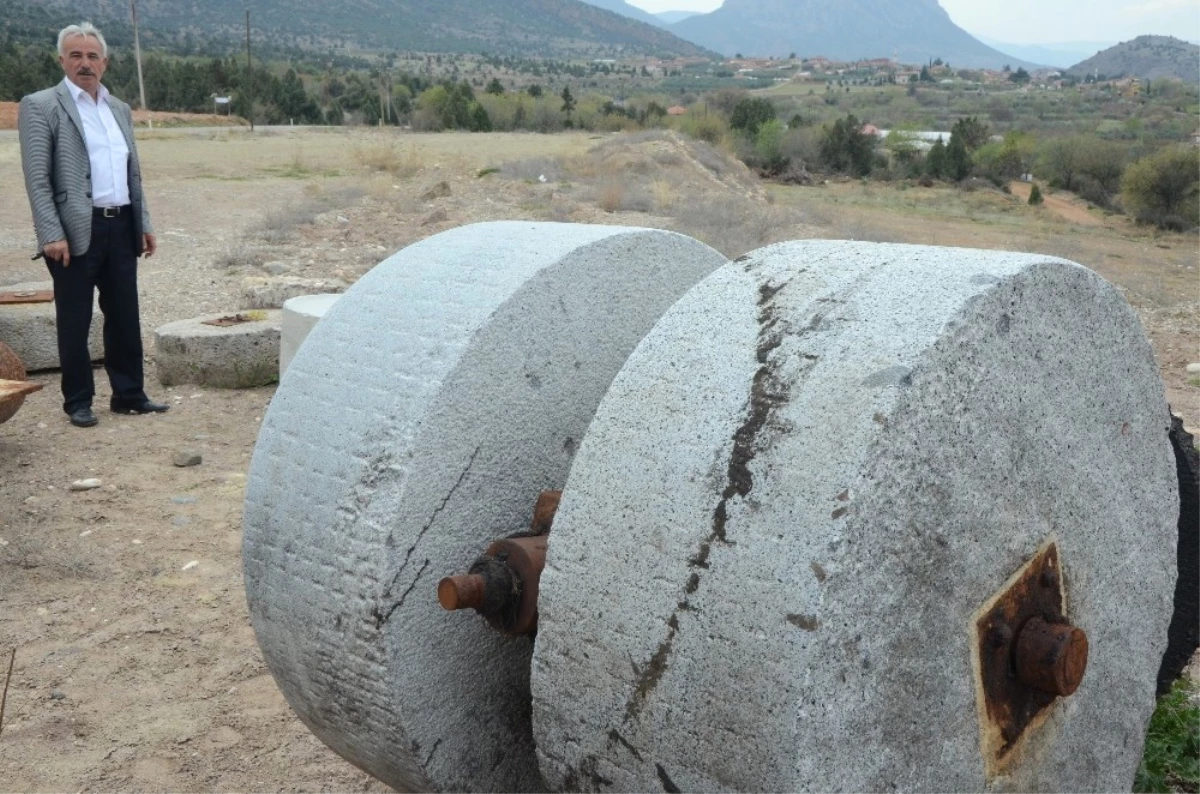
column 1058, row 54
column 671, row 17
column 915, row 31
column 1146, row 57
column 627, row 10
column 532, row 28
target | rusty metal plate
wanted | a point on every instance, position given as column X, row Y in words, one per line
column 1010, row 709
column 232, row 319
column 27, row 296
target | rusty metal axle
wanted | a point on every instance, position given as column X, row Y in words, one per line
column 502, row 584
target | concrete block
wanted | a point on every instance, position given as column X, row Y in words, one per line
column 300, row 315
column 229, row 357
column 419, row 421
column 30, row 329
column 272, row 293
column 800, row 490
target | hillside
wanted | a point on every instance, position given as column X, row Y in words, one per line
column 627, row 10
column 534, row 28
column 914, row 31
column 1147, row 57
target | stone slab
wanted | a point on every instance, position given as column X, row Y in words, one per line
column 419, row 421
column 30, row 329
column 229, row 357
column 766, row 566
column 300, row 316
column 272, row 292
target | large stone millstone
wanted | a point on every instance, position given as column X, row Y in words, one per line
column 768, row 560
column 31, row 329
column 419, row 421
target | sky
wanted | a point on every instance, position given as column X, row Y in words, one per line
column 1040, row 21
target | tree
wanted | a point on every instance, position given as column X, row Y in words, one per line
column 751, row 113
column 973, row 132
column 1164, row 188
column 534, row 90
column 568, row 104
column 768, row 147
column 1035, row 196
column 478, row 119
column 1020, row 76
column 935, row 160
column 495, row 88
column 846, row 148
column 1061, row 160
column 958, row 159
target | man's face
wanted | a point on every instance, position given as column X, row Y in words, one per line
column 84, row 62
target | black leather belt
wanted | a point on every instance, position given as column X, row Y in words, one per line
column 109, row 212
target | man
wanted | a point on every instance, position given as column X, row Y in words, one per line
column 85, row 188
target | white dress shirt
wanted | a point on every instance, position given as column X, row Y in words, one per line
column 107, row 149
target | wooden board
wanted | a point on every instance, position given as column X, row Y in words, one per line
column 27, row 296
column 14, row 388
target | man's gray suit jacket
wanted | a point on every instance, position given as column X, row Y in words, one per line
column 58, row 173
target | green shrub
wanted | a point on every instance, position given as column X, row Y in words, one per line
column 1164, row 188
column 1035, row 196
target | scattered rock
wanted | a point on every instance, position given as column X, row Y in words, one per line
column 440, row 190
column 271, row 293
column 1193, row 369
column 437, row 216
column 57, row 694
column 86, row 485
column 191, row 565
column 186, row 457
column 277, row 268
column 183, row 500
column 181, row 521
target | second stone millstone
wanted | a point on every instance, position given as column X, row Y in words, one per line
column 862, row 517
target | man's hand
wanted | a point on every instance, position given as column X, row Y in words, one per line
column 149, row 245
column 59, row 251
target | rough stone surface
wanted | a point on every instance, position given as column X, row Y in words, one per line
column 300, row 315
column 765, row 569
column 187, row 457
column 30, row 329
column 419, row 421
column 229, row 357
column 272, row 293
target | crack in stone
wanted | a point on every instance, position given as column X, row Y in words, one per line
column 381, row 617
column 668, row 785
column 614, row 736
column 767, row 393
column 387, row 592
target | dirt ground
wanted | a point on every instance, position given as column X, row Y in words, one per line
column 136, row 666
column 8, row 118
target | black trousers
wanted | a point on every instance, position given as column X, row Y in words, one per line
column 109, row 265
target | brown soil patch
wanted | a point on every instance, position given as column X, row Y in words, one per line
column 8, row 118
column 1065, row 205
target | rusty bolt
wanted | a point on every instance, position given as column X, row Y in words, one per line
column 1051, row 657
column 461, row 592
column 1000, row 635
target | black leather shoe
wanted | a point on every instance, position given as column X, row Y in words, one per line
column 83, row 417
column 143, row 407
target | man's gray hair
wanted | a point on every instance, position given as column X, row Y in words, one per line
column 82, row 29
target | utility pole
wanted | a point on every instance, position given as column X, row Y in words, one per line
column 249, row 72
column 137, row 53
